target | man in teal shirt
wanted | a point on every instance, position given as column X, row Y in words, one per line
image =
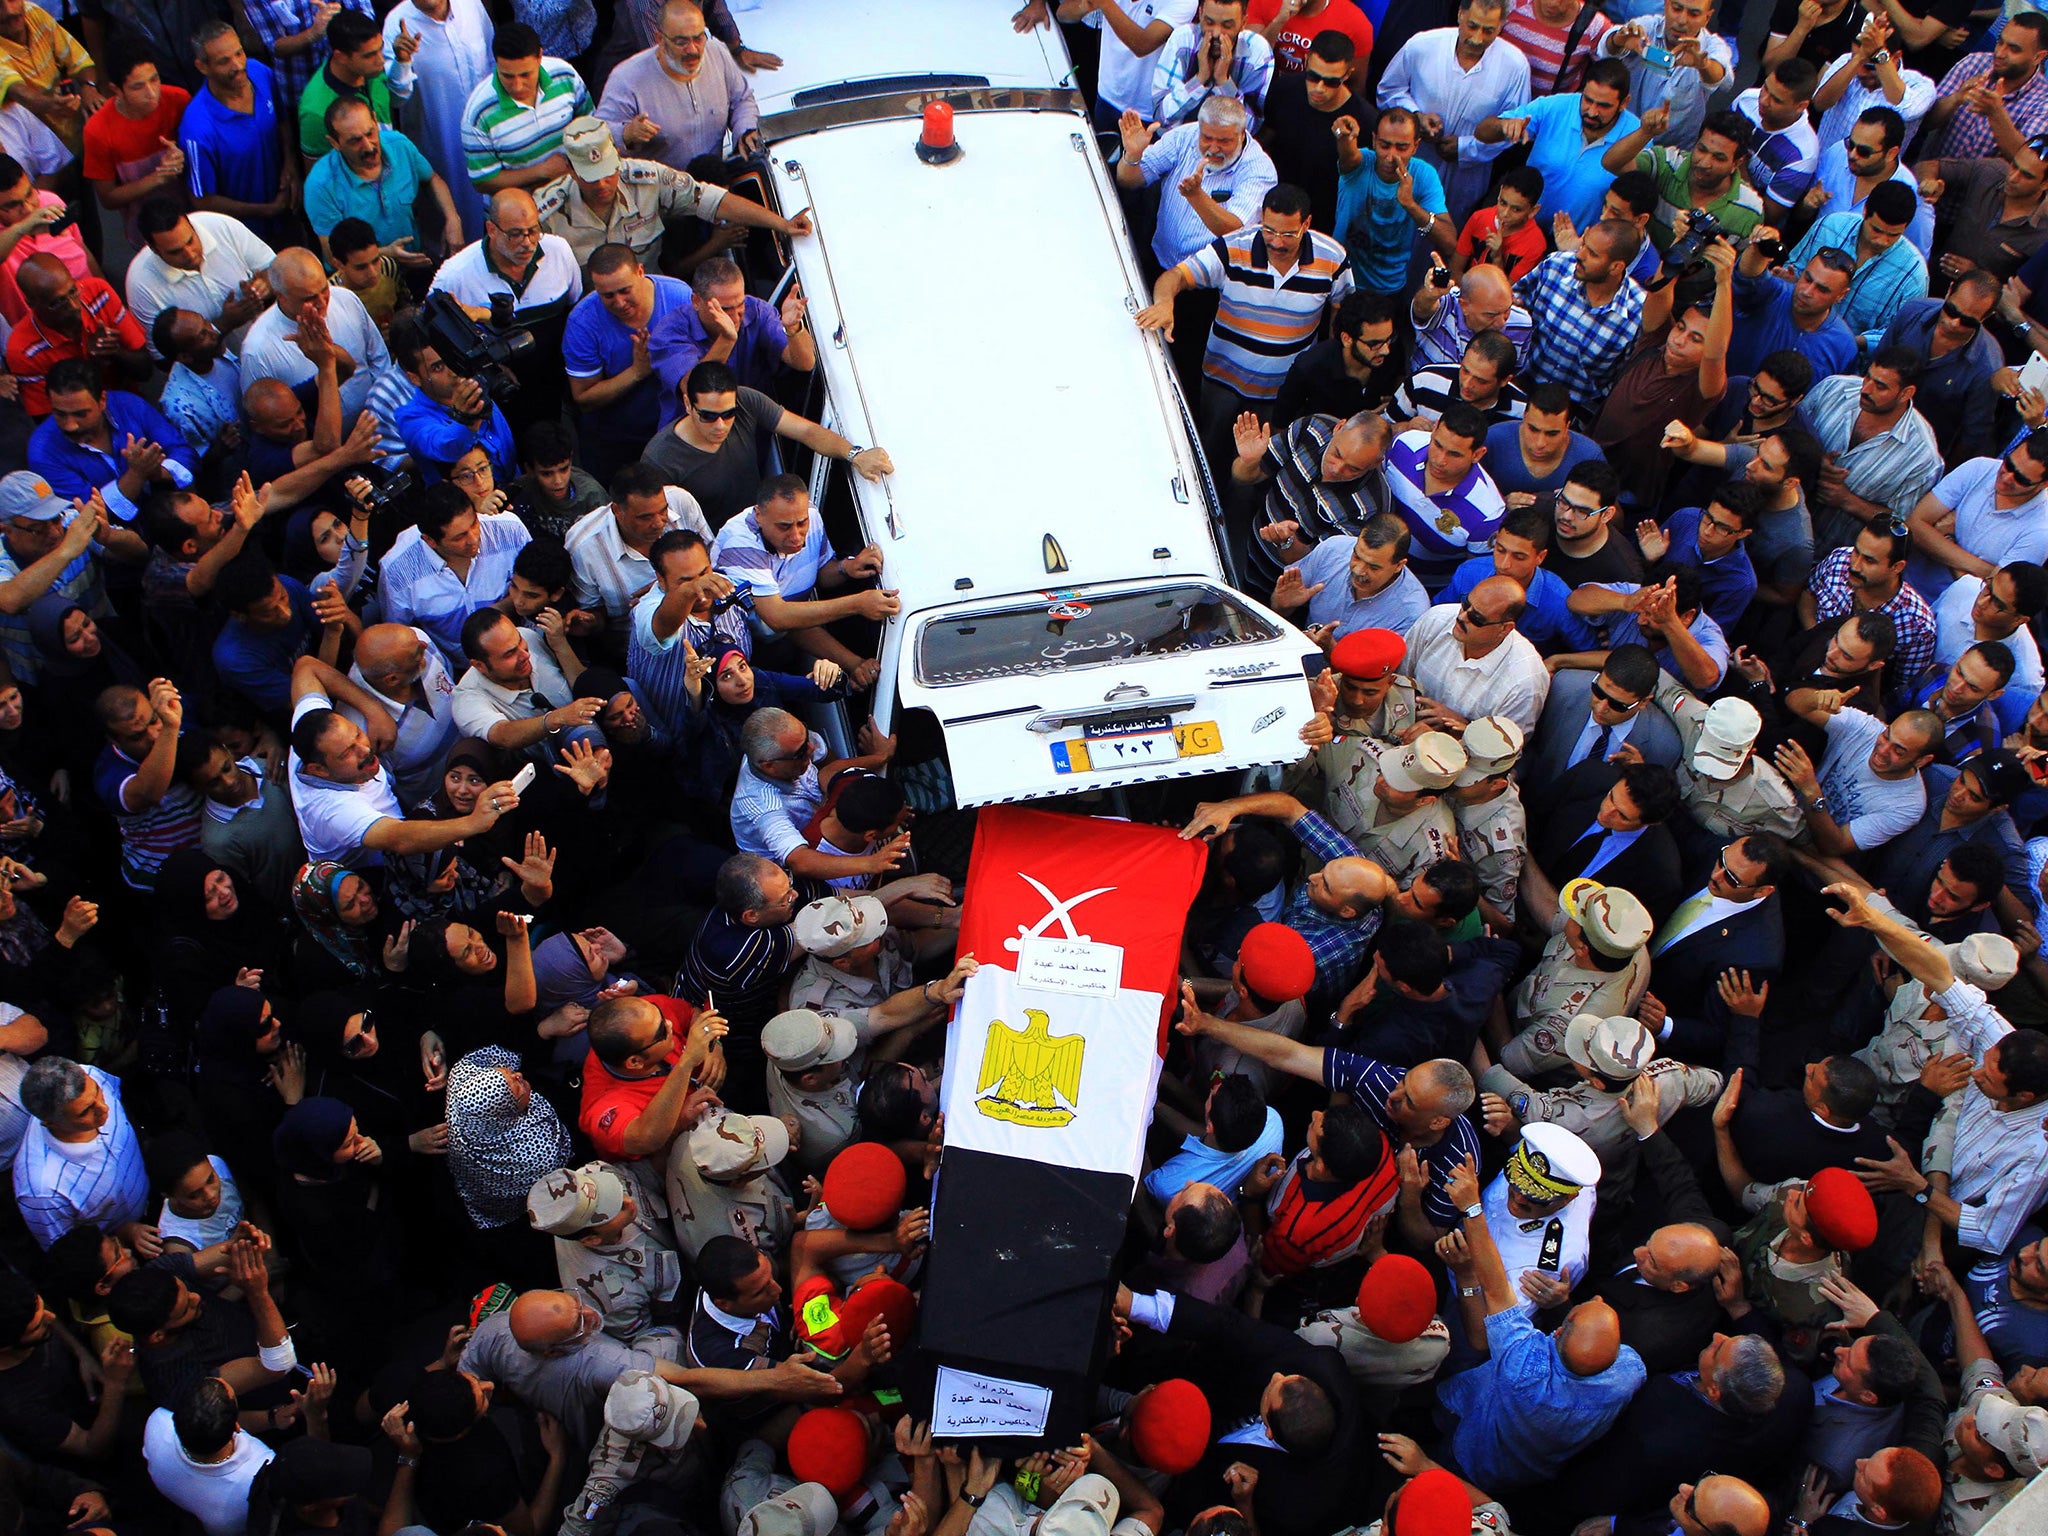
column 374, row 173
column 1385, row 202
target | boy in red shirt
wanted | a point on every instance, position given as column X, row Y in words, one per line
column 1507, row 234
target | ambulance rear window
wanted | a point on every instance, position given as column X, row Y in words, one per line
column 1060, row 633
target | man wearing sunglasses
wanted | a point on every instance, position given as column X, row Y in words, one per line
column 1851, row 168
column 1957, row 359
column 1981, row 516
column 1467, row 660
column 1870, row 577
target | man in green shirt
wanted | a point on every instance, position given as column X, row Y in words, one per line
column 1706, row 178
column 354, row 67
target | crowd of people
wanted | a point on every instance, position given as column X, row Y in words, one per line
column 473, row 996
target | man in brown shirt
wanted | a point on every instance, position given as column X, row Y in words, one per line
column 1997, row 221
column 1680, row 375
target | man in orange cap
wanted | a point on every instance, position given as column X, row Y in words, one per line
column 1795, row 1247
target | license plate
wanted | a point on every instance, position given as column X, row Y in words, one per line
column 1128, row 725
column 1105, row 754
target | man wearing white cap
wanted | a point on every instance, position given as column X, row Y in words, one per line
column 720, row 1182
column 604, row 199
column 1596, row 962
column 1993, row 1444
column 855, row 968
column 1388, row 798
column 607, row 1256
column 1916, row 1027
column 810, row 1082
column 647, row 1424
column 1727, row 788
column 792, row 1509
column 1610, row 1055
column 1539, row 1209
column 1493, row 829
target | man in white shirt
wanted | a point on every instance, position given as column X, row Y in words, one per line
column 1216, row 156
column 1856, row 82
column 209, row 263
column 401, row 669
column 609, row 545
column 1467, row 660
column 2003, row 609
column 516, row 258
column 346, row 808
column 271, row 349
column 1984, row 1170
column 202, row 1460
column 1452, row 79
column 435, row 53
column 1133, row 32
column 514, row 694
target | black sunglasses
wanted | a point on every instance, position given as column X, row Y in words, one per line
column 708, row 416
column 354, row 1046
column 2012, row 468
column 1950, row 312
column 1625, row 706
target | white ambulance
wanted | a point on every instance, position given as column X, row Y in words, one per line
column 1067, row 615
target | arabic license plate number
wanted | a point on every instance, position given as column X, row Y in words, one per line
column 1127, row 725
column 1105, row 754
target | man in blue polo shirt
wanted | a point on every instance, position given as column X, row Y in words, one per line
column 723, row 323
column 108, row 441
column 1568, row 135
column 271, row 624
column 374, row 173
column 1772, row 313
column 608, row 355
column 237, row 160
column 448, row 414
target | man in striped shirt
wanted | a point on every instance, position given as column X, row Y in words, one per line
column 512, row 123
column 136, row 781
column 684, row 622
column 1541, row 28
column 1274, row 281
column 737, row 964
column 81, row 1162
column 1323, row 477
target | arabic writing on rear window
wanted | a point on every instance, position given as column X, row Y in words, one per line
column 1086, row 631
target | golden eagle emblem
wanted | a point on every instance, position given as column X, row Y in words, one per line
column 1035, row 1077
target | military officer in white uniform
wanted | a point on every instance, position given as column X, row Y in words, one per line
column 810, row 1081
column 1597, row 961
column 1493, row 829
column 607, row 1256
column 1539, row 1209
column 1727, row 788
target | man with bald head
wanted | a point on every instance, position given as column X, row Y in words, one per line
column 537, row 271
column 1446, row 319
column 677, row 100
column 401, row 669
column 1717, row 1505
column 1537, row 1398
column 1468, row 660
column 273, row 349
column 550, row 1350
column 1323, row 477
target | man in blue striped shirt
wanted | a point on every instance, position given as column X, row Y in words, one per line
column 81, row 1162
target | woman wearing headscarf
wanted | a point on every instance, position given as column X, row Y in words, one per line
column 475, row 876
column 341, row 945
column 77, row 660
column 332, row 1202
column 322, row 550
column 722, row 696
column 244, row 1077
column 484, row 992
column 214, row 933
column 502, row 1136
column 41, row 963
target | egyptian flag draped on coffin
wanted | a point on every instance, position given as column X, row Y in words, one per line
column 1051, row 1065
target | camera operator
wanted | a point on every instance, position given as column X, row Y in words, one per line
column 448, row 414
column 538, row 272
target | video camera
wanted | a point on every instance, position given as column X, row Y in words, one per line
column 487, row 354
column 1688, row 251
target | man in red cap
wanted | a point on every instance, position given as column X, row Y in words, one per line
column 1273, row 973
column 1363, row 693
column 1796, row 1245
column 858, row 1226
column 1391, row 1338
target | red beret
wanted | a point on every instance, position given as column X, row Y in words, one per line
column 829, row 1446
column 1433, row 1503
column 1368, row 654
column 891, row 1301
column 864, row 1187
column 1840, row 1211
column 1397, row 1298
column 1278, row 964
column 1170, row 1426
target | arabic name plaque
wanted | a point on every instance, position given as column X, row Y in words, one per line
column 1077, row 966
column 969, row 1404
